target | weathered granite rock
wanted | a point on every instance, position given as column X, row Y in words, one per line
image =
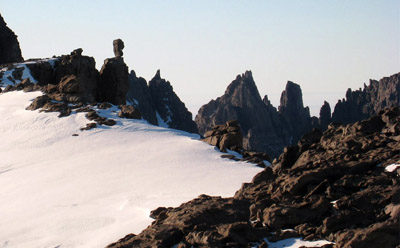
column 10, row 51
column 170, row 108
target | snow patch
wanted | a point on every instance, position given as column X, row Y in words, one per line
column 392, row 167
column 296, row 243
column 161, row 122
column 7, row 75
column 92, row 189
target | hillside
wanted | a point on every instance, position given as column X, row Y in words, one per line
column 60, row 190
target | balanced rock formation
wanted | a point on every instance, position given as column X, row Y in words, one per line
column 335, row 185
column 263, row 127
column 363, row 103
column 118, row 45
column 10, row 51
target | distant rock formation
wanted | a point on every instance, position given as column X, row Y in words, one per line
column 159, row 104
column 325, row 116
column 172, row 111
column 292, row 109
column 363, row 103
column 334, row 186
column 10, row 51
column 263, row 127
column 114, row 84
column 140, row 97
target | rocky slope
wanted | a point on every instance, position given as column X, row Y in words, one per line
column 159, row 103
column 341, row 185
column 9, row 46
column 263, row 127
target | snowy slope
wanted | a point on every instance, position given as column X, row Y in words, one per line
column 59, row 190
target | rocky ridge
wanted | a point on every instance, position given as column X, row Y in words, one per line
column 340, row 185
column 72, row 83
column 363, row 103
column 159, row 103
column 264, row 128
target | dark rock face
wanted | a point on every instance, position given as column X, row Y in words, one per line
column 168, row 105
column 263, row 127
column 325, row 116
column 331, row 185
column 10, row 51
column 159, row 104
column 139, row 96
column 114, row 84
column 361, row 104
column 292, row 109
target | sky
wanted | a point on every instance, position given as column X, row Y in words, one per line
column 200, row 46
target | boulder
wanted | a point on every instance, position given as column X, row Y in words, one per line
column 128, row 111
column 118, row 45
column 69, row 84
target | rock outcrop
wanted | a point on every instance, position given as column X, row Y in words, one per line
column 363, row 103
column 263, row 127
column 114, row 84
column 325, row 116
column 140, row 97
column 292, row 109
column 172, row 111
column 159, row 104
column 335, row 185
column 71, row 78
column 225, row 136
column 10, row 51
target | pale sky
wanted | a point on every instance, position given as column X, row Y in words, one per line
column 200, row 46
